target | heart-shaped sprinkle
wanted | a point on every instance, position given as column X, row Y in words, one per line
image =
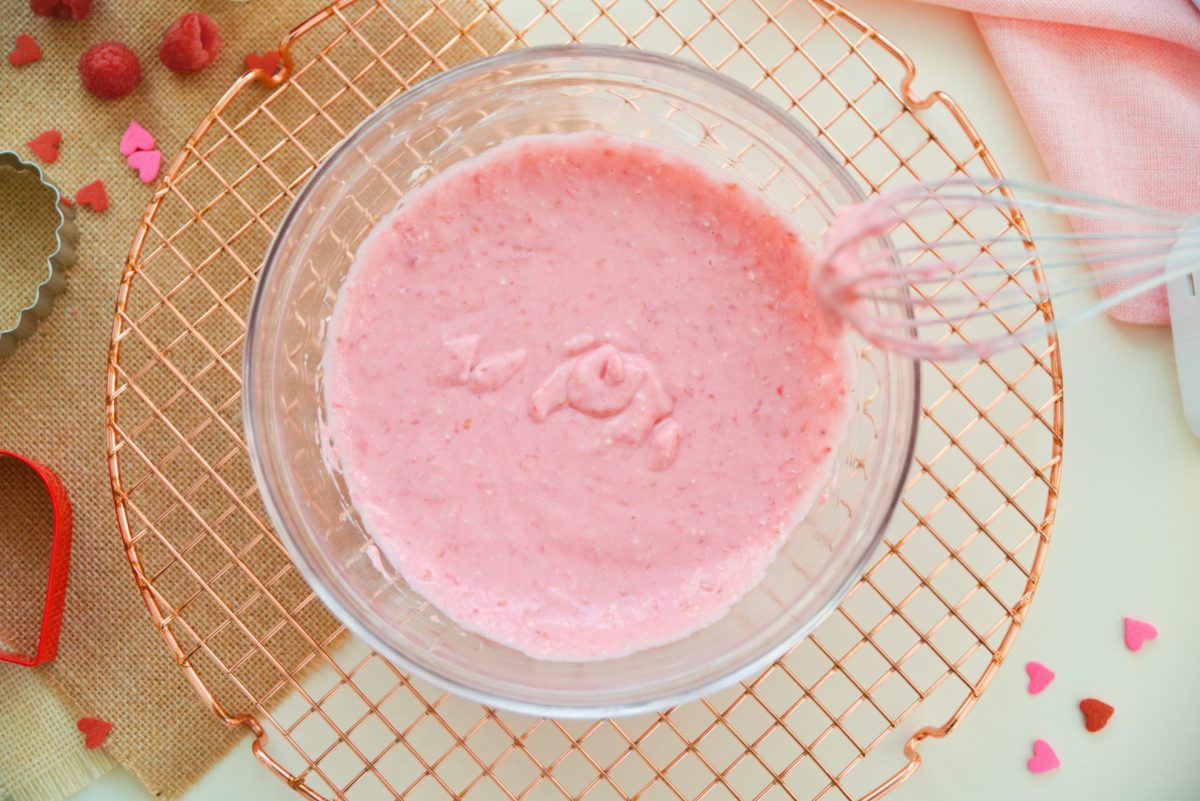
column 1095, row 713
column 1043, row 758
column 268, row 62
column 95, row 731
column 93, row 196
column 26, row 51
column 1040, row 677
column 1137, row 632
column 45, row 145
column 136, row 138
column 146, row 162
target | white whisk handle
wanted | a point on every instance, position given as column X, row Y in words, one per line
column 1183, row 298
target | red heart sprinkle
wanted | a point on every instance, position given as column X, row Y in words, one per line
column 66, row 200
column 93, row 195
column 95, row 731
column 26, row 51
column 1095, row 713
column 268, row 62
column 45, row 145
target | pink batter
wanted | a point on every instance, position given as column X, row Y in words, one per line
column 579, row 388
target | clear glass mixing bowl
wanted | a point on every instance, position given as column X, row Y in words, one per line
column 454, row 116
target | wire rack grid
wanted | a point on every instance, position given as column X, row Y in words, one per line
column 904, row 658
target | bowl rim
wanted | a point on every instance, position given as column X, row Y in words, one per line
column 270, row 497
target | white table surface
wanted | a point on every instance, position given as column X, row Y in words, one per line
column 1126, row 542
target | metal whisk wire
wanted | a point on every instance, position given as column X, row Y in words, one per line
column 915, row 298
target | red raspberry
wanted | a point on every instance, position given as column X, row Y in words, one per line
column 63, row 9
column 110, row 69
column 190, row 44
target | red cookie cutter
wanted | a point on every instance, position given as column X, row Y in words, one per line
column 60, row 557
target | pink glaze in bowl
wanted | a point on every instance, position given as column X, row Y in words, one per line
column 688, row 110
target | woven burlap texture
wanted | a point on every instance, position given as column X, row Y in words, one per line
column 34, row 718
column 27, row 706
column 111, row 663
column 25, row 206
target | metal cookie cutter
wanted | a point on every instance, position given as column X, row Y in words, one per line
column 66, row 235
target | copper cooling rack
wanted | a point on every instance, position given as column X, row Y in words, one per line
column 904, row 658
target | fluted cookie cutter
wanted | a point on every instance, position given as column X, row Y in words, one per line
column 66, row 236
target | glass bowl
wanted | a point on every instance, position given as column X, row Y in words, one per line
column 454, row 116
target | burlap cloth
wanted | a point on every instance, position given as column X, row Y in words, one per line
column 111, row 663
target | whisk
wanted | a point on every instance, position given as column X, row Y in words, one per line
column 938, row 271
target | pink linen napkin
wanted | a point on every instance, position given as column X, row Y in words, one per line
column 1110, row 90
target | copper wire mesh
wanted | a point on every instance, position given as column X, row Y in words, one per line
column 903, row 658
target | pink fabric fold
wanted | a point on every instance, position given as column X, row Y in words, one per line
column 1110, row 91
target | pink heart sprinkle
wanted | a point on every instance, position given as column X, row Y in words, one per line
column 1040, row 677
column 136, row 138
column 1137, row 632
column 146, row 162
column 1043, row 758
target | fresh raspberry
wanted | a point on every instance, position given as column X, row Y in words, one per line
column 110, row 69
column 190, row 44
column 62, row 9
